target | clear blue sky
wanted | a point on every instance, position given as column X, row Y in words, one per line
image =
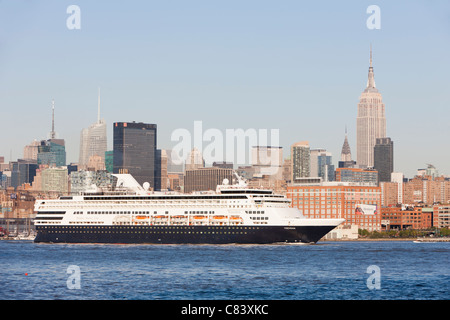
column 297, row 66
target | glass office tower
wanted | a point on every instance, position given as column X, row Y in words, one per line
column 23, row 171
column 52, row 152
column 384, row 158
column 134, row 149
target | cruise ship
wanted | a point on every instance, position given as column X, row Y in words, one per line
column 131, row 214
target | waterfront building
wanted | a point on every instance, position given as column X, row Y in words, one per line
column 441, row 216
column 384, row 158
column 343, row 232
column 206, row 179
column 370, row 122
column 135, row 150
column 300, row 160
column 338, row 200
column 405, row 217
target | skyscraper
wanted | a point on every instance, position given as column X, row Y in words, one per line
column 205, row 179
column 23, row 171
column 300, row 160
column 93, row 140
column 384, row 158
column 321, row 164
column 194, row 160
column 370, row 122
column 161, row 175
column 268, row 160
column 135, row 150
column 346, row 155
column 52, row 152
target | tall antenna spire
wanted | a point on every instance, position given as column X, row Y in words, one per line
column 53, row 133
column 98, row 112
column 371, row 80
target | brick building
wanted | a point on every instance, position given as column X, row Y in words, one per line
column 401, row 218
column 338, row 200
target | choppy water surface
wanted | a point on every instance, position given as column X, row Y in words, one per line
column 328, row 270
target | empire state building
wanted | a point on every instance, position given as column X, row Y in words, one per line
column 370, row 122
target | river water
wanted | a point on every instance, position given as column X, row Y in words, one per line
column 375, row 270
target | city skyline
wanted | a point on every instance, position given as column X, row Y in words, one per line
column 295, row 67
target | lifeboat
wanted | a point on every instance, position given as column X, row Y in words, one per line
column 141, row 217
column 219, row 217
column 236, row 220
column 199, row 217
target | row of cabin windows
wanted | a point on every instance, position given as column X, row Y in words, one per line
column 155, row 232
column 142, row 212
column 152, row 227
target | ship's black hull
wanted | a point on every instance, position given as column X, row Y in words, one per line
column 181, row 234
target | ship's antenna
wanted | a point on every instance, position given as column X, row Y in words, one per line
column 241, row 181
